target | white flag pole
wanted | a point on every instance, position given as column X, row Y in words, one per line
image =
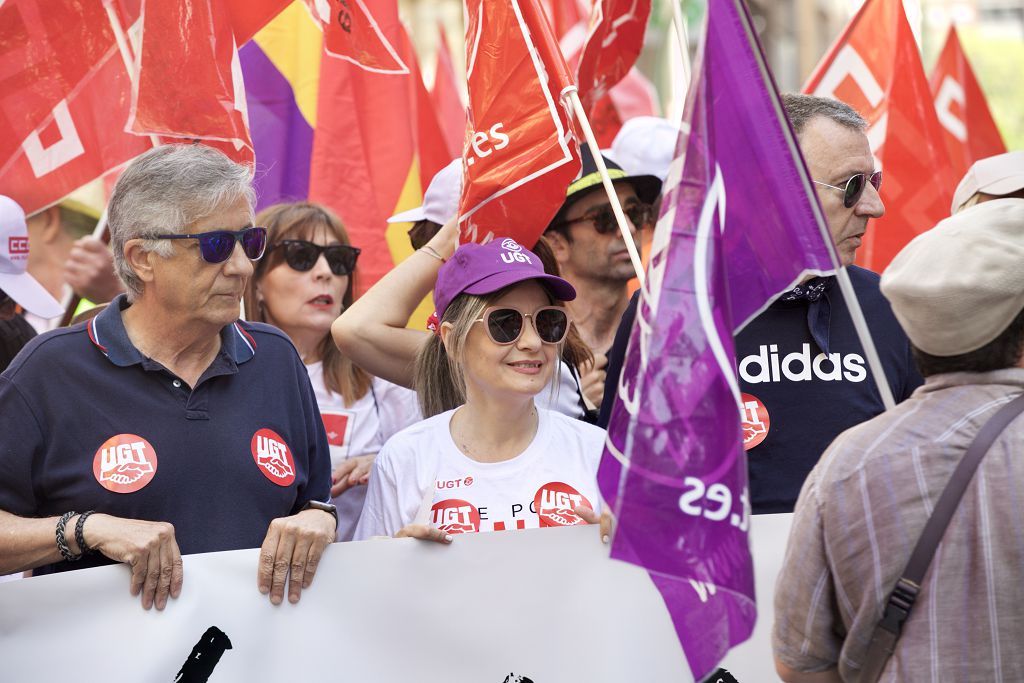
column 861, row 325
column 680, row 86
column 613, row 197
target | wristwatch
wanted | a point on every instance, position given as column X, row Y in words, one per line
column 326, row 507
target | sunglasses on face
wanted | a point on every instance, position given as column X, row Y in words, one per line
column 505, row 325
column 855, row 186
column 301, row 255
column 216, row 246
column 639, row 214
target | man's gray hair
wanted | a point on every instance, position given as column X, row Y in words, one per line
column 802, row 108
column 167, row 190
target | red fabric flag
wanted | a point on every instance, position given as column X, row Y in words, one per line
column 376, row 146
column 64, row 100
column 249, row 16
column 612, row 46
column 876, row 68
column 565, row 15
column 191, row 86
column 352, row 33
column 520, row 155
column 447, row 99
column 970, row 131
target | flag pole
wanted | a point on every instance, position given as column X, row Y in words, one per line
column 613, row 197
column 860, row 324
column 680, row 86
column 70, row 300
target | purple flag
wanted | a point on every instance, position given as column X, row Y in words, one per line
column 740, row 224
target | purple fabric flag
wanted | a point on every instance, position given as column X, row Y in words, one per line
column 740, row 223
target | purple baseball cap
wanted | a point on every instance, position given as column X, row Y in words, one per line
column 486, row 268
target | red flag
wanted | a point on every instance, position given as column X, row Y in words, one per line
column 376, row 146
column 875, row 67
column 191, row 86
column 520, row 154
column 64, row 100
column 613, row 44
column 249, row 16
column 352, row 33
column 447, row 99
column 565, row 15
column 970, row 131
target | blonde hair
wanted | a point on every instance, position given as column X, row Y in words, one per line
column 302, row 220
column 439, row 374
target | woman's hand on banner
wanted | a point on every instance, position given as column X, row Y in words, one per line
column 605, row 520
column 424, row 532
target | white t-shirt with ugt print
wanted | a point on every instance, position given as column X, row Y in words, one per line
column 537, row 488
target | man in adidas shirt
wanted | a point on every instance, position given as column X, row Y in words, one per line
column 803, row 373
column 804, row 377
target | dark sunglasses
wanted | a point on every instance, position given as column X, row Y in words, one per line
column 505, row 325
column 216, row 246
column 301, row 255
column 640, row 215
column 855, row 187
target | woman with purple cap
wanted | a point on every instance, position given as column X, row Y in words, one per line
column 487, row 458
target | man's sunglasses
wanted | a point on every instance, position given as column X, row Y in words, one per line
column 301, row 255
column 640, row 215
column 505, row 325
column 855, row 187
column 216, row 246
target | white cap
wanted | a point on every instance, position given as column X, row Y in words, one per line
column 440, row 201
column 17, row 283
column 646, row 145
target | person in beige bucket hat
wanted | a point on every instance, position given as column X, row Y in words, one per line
column 958, row 290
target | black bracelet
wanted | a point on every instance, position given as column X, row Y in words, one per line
column 83, row 547
column 62, row 544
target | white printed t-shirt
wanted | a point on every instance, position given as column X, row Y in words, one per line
column 360, row 429
column 537, row 488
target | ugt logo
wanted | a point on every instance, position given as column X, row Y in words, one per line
column 513, row 252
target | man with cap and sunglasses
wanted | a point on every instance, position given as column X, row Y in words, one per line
column 958, row 291
column 174, row 428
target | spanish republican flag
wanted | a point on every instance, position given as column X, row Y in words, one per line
column 346, row 124
column 876, row 68
column 970, row 130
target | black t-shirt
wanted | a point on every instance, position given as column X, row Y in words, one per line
column 805, row 379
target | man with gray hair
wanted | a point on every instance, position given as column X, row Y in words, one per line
column 174, row 427
column 803, row 373
column 958, row 291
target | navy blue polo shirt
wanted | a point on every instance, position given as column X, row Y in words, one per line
column 89, row 423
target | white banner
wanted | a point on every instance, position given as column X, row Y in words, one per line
column 540, row 606
column 752, row 661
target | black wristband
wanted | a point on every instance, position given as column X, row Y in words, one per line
column 62, row 544
column 326, row 507
column 83, row 547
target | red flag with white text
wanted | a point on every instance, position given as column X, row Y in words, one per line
column 64, row 100
column 520, row 154
column 970, row 130
column 876, row 68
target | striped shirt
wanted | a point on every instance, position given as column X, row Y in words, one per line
column 862, row 510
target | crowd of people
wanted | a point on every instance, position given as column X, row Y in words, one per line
column 164, row 423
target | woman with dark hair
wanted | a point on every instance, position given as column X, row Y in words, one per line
column 487, row 458
column 301, row 285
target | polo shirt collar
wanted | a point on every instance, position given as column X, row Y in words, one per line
column 106, row 331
